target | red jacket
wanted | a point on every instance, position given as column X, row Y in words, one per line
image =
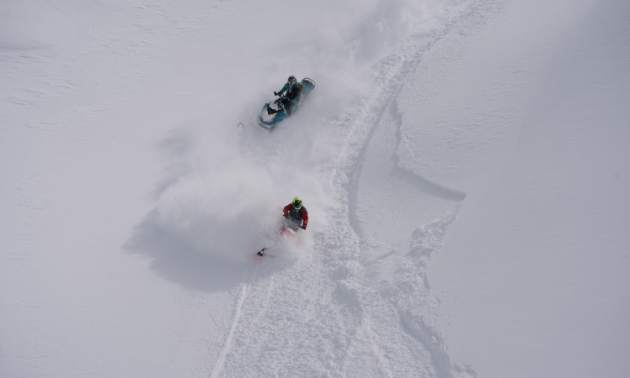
column 289, row 211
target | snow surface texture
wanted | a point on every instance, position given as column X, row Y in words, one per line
column 465, row 165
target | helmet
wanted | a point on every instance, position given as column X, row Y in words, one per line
column 292, row 80
column 297, row 203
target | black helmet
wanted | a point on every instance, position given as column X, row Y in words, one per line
column 291, row 79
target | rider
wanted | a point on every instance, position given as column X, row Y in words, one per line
column 296, row 214
column 294, row 91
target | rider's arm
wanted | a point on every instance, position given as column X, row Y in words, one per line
column 286, row 209
column 305, row 219
column 284, row 88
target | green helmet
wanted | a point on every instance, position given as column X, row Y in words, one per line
column 297, row 203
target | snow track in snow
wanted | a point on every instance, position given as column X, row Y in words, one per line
column 228, row 342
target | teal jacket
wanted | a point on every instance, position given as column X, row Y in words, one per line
column 293, row 93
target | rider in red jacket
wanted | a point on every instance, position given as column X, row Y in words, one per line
column 296, row 213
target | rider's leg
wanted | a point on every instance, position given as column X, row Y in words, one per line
column 288, row 107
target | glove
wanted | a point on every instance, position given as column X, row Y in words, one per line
column 275, row 93
column 304, row 227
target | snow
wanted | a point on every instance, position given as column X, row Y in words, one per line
column 465, row 166
column 558, row 205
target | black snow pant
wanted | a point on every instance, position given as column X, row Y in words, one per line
column 287, row 105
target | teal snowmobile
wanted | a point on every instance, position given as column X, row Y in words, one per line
column 274, row 112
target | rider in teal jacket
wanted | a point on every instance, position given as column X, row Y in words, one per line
column 294, row 91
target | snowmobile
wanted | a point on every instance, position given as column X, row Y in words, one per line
column 274, row 112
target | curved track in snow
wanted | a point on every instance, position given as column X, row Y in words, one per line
column 358, row 302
